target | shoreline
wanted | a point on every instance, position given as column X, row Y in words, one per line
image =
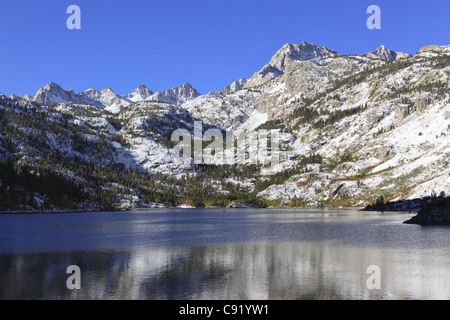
column 37, row 212
column 429, row 210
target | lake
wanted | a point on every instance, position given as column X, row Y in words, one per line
column 223, row 254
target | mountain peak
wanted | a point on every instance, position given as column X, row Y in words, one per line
column 285, row 56
column 107, row 89
column 383, row 53
column 51, row 85
column 52, row 93
column 302, row 51
column 176, row 95
column 142, row 86
column 383, row 49
column 140, row 93
column 186, row 85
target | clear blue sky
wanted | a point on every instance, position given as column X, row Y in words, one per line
column 208, row 43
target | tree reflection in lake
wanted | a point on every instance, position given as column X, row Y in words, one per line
column 261, row 270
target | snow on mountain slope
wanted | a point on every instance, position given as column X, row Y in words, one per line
column 158, row 119
column 301, row 80
column 226, row 112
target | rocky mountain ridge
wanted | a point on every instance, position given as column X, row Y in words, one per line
column 106, row 98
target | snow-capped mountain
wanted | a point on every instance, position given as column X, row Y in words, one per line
column 352, row 128
column 106, row 98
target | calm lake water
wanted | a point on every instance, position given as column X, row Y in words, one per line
column 223, row 254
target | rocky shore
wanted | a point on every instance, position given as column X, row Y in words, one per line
column 430, row 210
column 435, row 212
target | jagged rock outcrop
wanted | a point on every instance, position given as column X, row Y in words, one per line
column 235, row 86
column 421, row 103
column 176, row 95
column 402, row 111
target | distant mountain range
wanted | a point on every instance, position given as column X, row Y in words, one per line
column 106, row 98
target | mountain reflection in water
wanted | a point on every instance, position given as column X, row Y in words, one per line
column 273, row 255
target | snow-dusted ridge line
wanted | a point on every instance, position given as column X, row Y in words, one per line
column 106, row 98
